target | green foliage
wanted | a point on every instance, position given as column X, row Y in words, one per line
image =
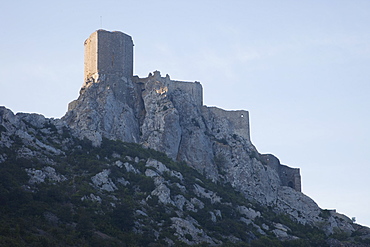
column 325, row 213
column 50, row 126
column 63, row 213
column 188, row 237
column 122, row 217
column 340, row 235
column 266, row 241
column 2, row 128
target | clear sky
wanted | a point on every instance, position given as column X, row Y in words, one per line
column 301, row 68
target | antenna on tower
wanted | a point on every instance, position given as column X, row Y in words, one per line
column 101, row 21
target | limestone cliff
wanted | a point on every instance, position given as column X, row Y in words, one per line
column 168, row 116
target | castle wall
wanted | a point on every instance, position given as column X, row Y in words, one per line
column 270, row 160
column 290, row 177
column 91, row 56
column 108, row 53
column 193, row 88
column 115, row 52
column 235, row 122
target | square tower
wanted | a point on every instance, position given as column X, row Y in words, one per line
column 108, row 53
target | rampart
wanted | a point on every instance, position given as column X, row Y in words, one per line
column 193, row 89
column 235, row 122
column 288, row 176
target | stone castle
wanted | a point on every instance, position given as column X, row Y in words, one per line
column 112, row 53
column 109, row 60
column 168, row 116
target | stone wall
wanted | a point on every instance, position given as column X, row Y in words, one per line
column 270, row 160
column 234, row 122
column 115, row 53
column 290, row 177
column 193, row 89
column 91, row 56
column 108, row 53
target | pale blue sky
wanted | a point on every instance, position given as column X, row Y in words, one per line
column 301, row 68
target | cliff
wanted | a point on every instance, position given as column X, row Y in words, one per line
column 60, row 190
column 168, row 116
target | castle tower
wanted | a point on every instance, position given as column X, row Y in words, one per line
column 108, row 53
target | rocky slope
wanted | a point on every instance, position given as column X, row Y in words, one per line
column 159, row 114
column 58, row 190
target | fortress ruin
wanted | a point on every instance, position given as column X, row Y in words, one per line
column 109, row 55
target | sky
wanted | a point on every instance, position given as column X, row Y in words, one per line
column 301, row 69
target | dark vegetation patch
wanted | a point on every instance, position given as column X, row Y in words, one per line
column 64, row 213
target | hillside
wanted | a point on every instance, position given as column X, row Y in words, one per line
column 58, row 190
column 142, row 162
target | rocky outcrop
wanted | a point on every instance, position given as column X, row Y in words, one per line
column 108, row 108
column 103, row 182
column 32, row 130
column 168, row 116
column 39, row 176
column 161, row 116
column 167, row 196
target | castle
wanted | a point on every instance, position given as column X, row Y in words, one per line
column 112, row 53
column 109, row 57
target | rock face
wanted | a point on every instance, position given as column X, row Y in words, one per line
column 169, row 116
column 106, row 108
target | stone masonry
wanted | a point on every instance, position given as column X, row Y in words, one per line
column 108, row 53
